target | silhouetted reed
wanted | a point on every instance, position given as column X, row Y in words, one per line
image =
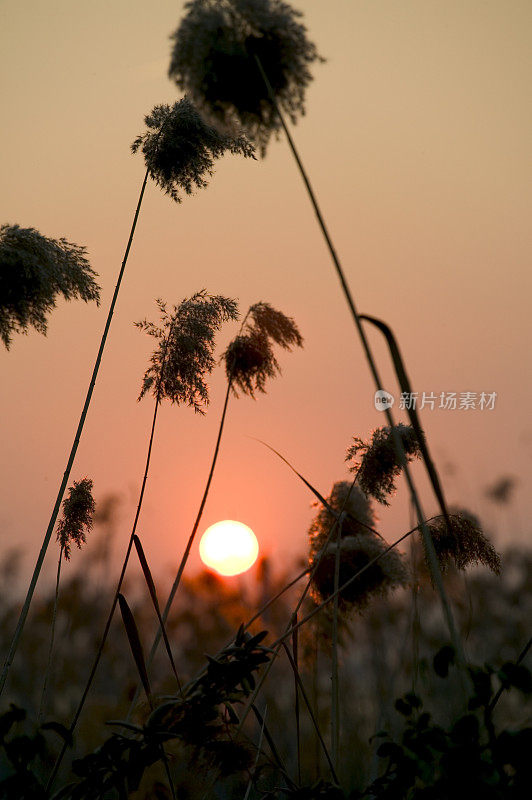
column 179, row 147
column 34, row 271
column 355, row 546
column 184, row 355
column 378, row 462
column 76, row 522
column 465, row 544
column 249, row 358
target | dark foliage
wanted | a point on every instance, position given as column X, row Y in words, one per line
column 465, row 759
column 202, row 717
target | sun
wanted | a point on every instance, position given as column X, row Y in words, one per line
column 229, row 547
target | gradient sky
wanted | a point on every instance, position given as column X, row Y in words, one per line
column 417, row 138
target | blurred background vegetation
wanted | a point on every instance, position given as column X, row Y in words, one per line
column 385, row 652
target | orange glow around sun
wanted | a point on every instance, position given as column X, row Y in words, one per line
column 229, row 547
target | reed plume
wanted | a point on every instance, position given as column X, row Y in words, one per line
column 249, row 358
column 356, row 545
column 34, row 271
column 76, row 522
column 377, row 462
column 184, row 353
column 465, row 544
column 179, row 147
column 213, row 59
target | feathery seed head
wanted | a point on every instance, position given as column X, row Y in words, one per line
column 184, row 352
column 33, row 271
column 249, row 358
column 213, row 58
column 180, row 148
column 464, row 544
column 356, row 552
column 358, row 515
column 378, row 463
column 78, row 510
column 358, row 545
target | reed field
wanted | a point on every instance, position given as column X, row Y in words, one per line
column 375, row 654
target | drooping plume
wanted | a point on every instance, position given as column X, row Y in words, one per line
column 465, row 544
column 180, row 148
column 249, row 359
column 34, row 270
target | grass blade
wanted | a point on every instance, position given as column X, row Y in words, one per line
column 433, row 475
column 135, row 645
column 153, row 594
column 322, row 500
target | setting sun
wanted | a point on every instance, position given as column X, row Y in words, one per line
column 229, row 547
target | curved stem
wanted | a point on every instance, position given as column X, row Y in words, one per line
column 77, row 437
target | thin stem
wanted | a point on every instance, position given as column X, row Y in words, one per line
column 122, row 574
column 257, row 756
column 335, row 704
column 295, row 648
column 70, row 462
column 190, row 542
column 42, row 707
column 427, row 539
column 192, row 536
column 301, row 686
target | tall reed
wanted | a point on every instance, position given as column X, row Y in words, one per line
column 215, row 46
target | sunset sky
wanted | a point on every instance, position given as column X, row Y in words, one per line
column 417, row 140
